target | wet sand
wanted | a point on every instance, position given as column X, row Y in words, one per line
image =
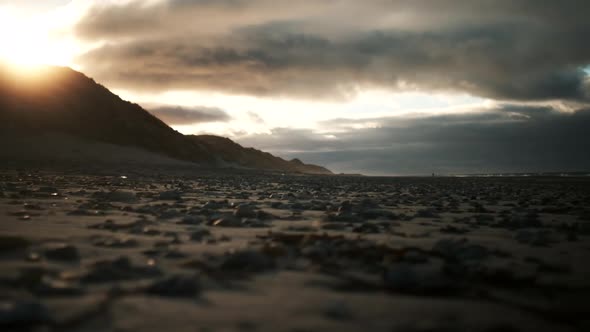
column 270, row 252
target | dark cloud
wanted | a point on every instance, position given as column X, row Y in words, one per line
column 518, row 50
column 175, row 115
column 510, row 138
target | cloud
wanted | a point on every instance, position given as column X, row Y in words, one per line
column 512, row 50
column 175, row 115
column 508, row 138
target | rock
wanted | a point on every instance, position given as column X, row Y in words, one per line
column 541, row 238
column 9, row 243
column 119, row 269
column 150, row 231
column 367, row 228
column 169, row 214
column 415, row 256
column 402, row 277
column 228, row 222
column 119, row 196
column 345, row 206
column 255, row 223
column 245, row 211
column 63, row 252
column 117, row 243
column 48, row 189
column 213, row 205
column 22, row 313
column 247, row 261
column 191, row 220
column 405, row 277
column 459, row 250
column 334, row 226
column 343, row 216
column 450, row 229
column 176, row 286
column 171, row 195
column 175, row 254
column 200, row 234
column 338, row 310
column 426, row 213
column 51, row 287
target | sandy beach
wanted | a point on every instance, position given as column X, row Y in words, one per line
column 275, row 252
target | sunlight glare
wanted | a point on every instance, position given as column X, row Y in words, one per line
column 27, row 42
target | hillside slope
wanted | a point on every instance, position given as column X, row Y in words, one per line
column 60, row 100
column 232, row 153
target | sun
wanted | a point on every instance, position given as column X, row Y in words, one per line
column 32, row 41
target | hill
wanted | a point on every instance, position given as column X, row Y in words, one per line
column 60, row 101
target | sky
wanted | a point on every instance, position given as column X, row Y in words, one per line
column 381, row 87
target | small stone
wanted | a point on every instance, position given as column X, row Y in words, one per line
column 345, row 206
column 338, row 311
column 367, row 228
column 120, row 196
column 212, row 205
column 191, row 220
column 170, row 196
column 9, row 243
column 334, row 226
column 23, row 314
column 247, row 261
column 415, row 256
column 255, row 223
column 176, row 286
column 460, row 249
column 48, row 189
column 175, row 254
column 63, row 253
column 228, row 222
column 200, row 234
column 406, row 277
column 150, row 231
column 117, row 243
column 50, row 287
column 119, row 269
column 245, row 211
column 33, row 257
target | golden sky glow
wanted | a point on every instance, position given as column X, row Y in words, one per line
column 342, row 76
column 45, row 37
column 30, row 39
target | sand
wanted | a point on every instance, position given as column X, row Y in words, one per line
column 219, row 251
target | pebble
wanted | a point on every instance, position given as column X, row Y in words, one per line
column 247, row 261
column 228, row 222
column 245, row 211
column 338, row 310
column 21, row 313
column 541, row 238
column 191, row 220
column 117, row 243
column 460, row 250
column 119, row 269
column 171, row 195
column 176, row 286
column 406, row 277
column 200, row 234
column 120, row 196
column 9, row 243
column 62, row 252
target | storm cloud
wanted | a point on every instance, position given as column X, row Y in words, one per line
column 175, row 115
column 525, row 50
column 508, row 138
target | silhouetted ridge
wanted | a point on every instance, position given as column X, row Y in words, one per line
column 61, row 100
column 234, row 154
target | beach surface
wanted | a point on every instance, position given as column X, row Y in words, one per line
column 220, row 251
